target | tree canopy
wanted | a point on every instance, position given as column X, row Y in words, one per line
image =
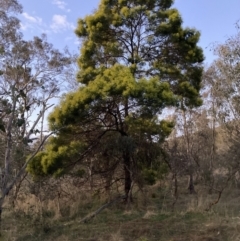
column 136, row 59
column 31, row 73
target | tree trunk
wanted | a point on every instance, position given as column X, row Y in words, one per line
column 175, row 190
column 127, row 176
column 191, row 185
column 1, row 208
column 127, row 160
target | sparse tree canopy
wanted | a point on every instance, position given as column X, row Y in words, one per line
column 135, row 60
column 31, row 73
column 222, row 79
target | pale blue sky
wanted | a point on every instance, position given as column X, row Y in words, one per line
column 215, row 19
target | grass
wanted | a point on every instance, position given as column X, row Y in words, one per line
column 151, row 217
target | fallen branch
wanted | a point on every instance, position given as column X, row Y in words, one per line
column 220, row 193
column 94, row 214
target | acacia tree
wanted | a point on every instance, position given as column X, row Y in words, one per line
column 31, row 76
column 135, row 60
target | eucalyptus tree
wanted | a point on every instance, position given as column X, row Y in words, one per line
column 135, row 60
column 31, row 75
column 222, row 81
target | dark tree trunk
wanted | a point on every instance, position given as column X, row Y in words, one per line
column 1, row 219
column 127, row 161
column 175, row 190
column 127, row 176
column 191, row 185
column 175, row 186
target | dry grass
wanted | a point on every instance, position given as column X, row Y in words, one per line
column 149, row 214
column 116, row 236
column 150, row 218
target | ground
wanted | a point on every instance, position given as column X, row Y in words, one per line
column 151, row 217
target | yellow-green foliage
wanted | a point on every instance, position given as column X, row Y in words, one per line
column 55, row 157
column 135, row 60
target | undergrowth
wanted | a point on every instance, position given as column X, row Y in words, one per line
column 150, row 217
